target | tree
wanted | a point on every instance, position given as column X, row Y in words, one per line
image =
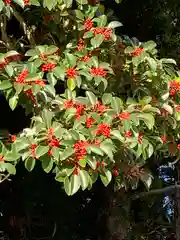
column 100, row 105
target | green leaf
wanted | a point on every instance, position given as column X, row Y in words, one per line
column 75, row 183
column 67, row 153
column 13, row 102
column 107, row 98
column 107, row 148
column 50, row 89
column 149, row 45
column 114, row 24
column 117, row 134
column 50, row 4
column 47, row 117
column 147, row 118
column 30, row 163
column 9, row 69
column 102, row 21
column 47, row 164
column 72, row 59
column 59, row 72
column 67, row 186
column 146, row 178
column 32, row 53
column 41, row 150
column 97, row 40
column 92, row 97
column 11, row 168
column 116, row 104
column 82, row 2
column 95, row 150
column 168, row 60
column 5, row 84
column 106, row 177
column 20, row 3
column 91, row 161
column 150, row 150
column 51, row 79
column 84, row 178
column 71, row 83
column 82, row 162
column 79, row 14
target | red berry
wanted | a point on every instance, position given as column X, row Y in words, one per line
column 13, row 138
column 124, row 116
column 76, row 171
column 103, row 129
column 178, row 146
column 88, row 24
column 137, row 52
column 98, row 72
column 164, row 139
column 128, row 134
column 47, row 67
column 71, row 72
column 115, row 172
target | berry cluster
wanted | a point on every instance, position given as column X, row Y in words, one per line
column 47, row 67
column 137, row 52
column 71, row 72
column 178, row 108
column 80, row 150
column 128, row 134
column 106, row 32
column 164, row 138
column 98, row 72
column 124, row 116
column 89, row 122
column 99, row 108
column 22, row 76
column 31, row 96
column 52, row 141
column 33, row 150
column 174, row 88
column 81, row 45
column 103, row 129
column 88, row 24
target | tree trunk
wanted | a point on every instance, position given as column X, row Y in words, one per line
column 118, row 217
column 177, row 209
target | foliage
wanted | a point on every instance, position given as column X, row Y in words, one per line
column 119, row 104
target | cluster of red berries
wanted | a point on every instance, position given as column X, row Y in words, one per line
column 174, row 88
column 124, row 116
column 115, row 172
column 106, row 32
column 98, row 72
column 99, row 108
column 164, row 138
column 7, row 2
column 33, row 150
column 80, row 150
column 89, row 122
column 178, row 108
column 85, row 58
column 80, row 108
column 137, row 52
column 100, row 165
column 47, row 67
column 81, row 45
column 88, row 24
column 30, row 95
column 128, row 134
column 103, row 129
column 22, row 76
column 140, row 138
column 26, row 2
column 71, row 72
column 52, row 141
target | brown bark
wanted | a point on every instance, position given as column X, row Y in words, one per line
column 177, row 210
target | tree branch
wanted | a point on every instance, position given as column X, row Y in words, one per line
column 27, row 30
column 5, row 40
column 156, row 191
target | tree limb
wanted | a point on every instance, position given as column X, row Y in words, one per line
column 156, row 191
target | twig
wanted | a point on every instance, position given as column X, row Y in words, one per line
column 27, row 30
column 5, row 40
column 5, row 178
column 156, row 191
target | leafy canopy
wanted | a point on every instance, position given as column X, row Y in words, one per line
column 120, row 102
